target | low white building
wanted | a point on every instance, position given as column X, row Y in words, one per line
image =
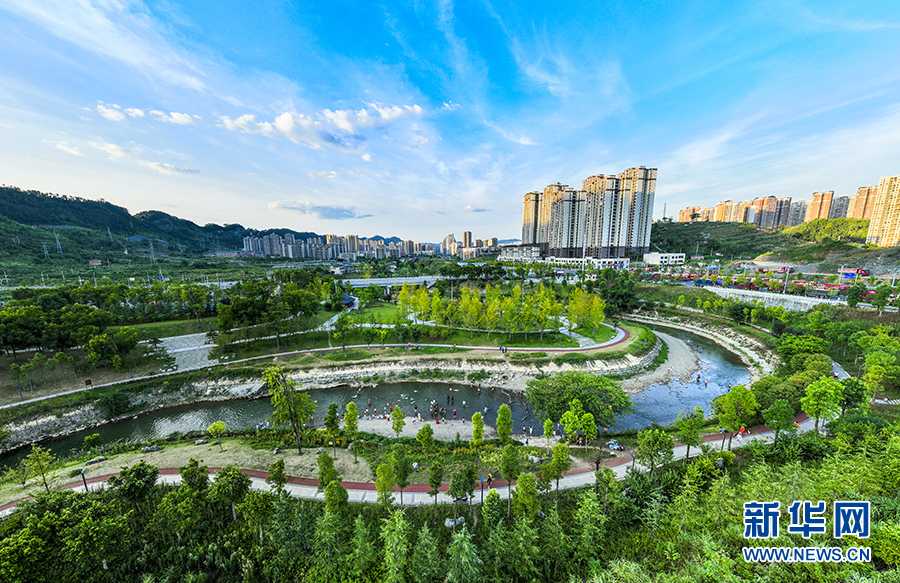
column 664, row 259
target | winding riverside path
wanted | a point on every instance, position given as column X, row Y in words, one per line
column 417, row 494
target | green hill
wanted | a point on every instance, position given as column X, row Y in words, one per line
column 728, row 240
column 56, row 213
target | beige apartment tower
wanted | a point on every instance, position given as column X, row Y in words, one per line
column 531, row 218
column 862, row 205
column 884, row 230
column 819, row 206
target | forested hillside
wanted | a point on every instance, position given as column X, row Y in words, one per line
column 53, row 211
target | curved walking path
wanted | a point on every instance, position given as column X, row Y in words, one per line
column 417, row 494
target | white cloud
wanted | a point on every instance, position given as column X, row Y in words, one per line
column 134, row 112
column 248, row 124
column 470, row 209
column 450, row 106
column 174, row 117
column 323, row 174
column 110, row 112
column 520, row 139
column 348, row 120
column 326, row 212
column 114, row 29
column 69, row 149
column 115, row 152
column 163, row 168
column 367, row 157
column 303, row 130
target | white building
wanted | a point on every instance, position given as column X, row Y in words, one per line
column 664, row 259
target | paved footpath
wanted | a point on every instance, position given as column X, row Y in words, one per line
column 418, row 494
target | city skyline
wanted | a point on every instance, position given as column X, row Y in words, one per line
column 415, row 120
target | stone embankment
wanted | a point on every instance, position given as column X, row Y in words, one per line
column 759, row 358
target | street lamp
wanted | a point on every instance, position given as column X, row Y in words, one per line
column 83, row 479
column 333, row 449
column 724, row 433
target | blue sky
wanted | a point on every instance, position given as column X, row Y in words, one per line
column 420, row 118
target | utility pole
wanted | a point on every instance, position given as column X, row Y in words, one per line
column 46, row 252
column 58, row 246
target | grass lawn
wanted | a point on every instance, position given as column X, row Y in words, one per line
column 603, row 333
column 382, row 312
column 170, row 328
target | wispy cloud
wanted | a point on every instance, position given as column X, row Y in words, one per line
column 163, row 168
column 174, row 117
column 115, row 30
column 520, row 139
column 323, row 174
column 131, row 111
column 321, row 211
column 69, row 149
column 374, row 115
column 470, row 209
column 115, row 152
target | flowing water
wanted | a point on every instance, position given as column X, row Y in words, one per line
column 661, row 404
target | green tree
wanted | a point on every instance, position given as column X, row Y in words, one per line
column 277, row 478
column 291, row 405
column 854, row 393
column 504, row 423
column 435, row 480
column 550, row 397
column 401, row 468
column 363, row 554
column 336, row 497
column 559, row 464
column 654, row 449
column 215, row 431
column 327, row 473
column 688, row 429
column 425, row 437
column 823, row 399
column 40, row 462
column 384, row 484
column 398, row 421
column 779, row 416
column 477, row 429
column 590, row 521
column 792, row 345
column 135, row 483
column 259, row 508
column 735, row 409
column 855, row 294
column 394, row 536
column 194, row 476
column 491, row 510
column 331, row 419
column 571, row 419
column 464, row 565
column 510, row 466
column 527, row 500
column 231, row 485
column 351, row 419
column 426, row 556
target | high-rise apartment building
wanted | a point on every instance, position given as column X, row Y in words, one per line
column 819, row 206
column 610, row 217
column 782, row 211
column 449, row 245
column 467, row 239
column 797, row 213
column 352, row 243
column 884, row 230
column 839, row 207
column 531, row 217
column 863, row 203
column 685, row 215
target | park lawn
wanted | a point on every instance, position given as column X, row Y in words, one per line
column 170, row 328
column 382, row 312
column 603, row 333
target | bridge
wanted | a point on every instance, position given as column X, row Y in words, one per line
column 390, row 282
column 770, row 300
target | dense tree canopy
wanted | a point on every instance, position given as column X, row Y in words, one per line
column 550, row 396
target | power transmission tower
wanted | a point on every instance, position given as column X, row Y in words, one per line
column 46, row 251
column 58, row 246
column 110, row 234
column 152, row 253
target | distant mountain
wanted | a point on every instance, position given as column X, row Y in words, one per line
column 508, row 241
column 55, row 211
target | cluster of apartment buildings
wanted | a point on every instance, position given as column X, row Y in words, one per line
column 769, row 211
column 468, row 248
column 608, row 218
column 878, row 204
column 348, row 248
